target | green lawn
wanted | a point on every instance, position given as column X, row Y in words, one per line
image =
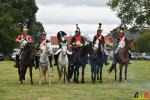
column 138, row 80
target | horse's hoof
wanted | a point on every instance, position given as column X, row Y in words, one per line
column 101, row 81
column 82, row 82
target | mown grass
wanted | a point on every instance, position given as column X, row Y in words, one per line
column 138, row 81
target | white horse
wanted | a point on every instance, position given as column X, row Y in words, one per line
column 44, row 64
column 63, row 64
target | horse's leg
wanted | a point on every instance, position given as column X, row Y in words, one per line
column 75, row 76
column 115, row 73
column 101, row 67
column 49, row 74
column 66, row 71
column 24, row 73
column 31, row 75
column 98, row 72
column 40, row 73
column 94, row 78
column 22, row 70
column 83, row 67
column 126, row 66
column 19, row 72
column 120, row 66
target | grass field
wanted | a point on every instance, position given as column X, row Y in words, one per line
column 138, row 80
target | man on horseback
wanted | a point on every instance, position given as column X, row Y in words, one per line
column 61, row 41
column 42, row 43
column 100, row 38
column 121, row 40
column 77, row 40
column 22, row 39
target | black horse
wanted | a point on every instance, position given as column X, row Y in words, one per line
column 81, row 60
column 26, row 61
column 97, row 64
column 123, row 59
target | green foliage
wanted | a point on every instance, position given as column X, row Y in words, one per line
column 142, row 43
column 14, row 14
column 114, row 33
column 134, row 13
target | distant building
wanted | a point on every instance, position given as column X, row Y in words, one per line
column 109, row 40
column 54, row 42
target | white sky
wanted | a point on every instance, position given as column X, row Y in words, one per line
column 63, row 15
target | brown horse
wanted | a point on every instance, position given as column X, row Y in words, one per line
column 26, row 61
column 123, row 59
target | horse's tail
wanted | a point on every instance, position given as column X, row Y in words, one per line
column 111, row 68
column 44, row 71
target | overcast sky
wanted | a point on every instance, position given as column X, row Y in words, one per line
column 63, row 15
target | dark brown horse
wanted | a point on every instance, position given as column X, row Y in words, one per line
column 26, row 61
column 123, row 59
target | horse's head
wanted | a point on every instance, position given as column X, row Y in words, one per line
column 64, row 48
column 49, row 48
column 30, row 47
column 89, row 49
column 130, row 45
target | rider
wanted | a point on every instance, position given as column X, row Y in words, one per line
column 77, row 40
column 121, row 40
column 22, row 39
column 61, row 41
column 101, row 38
column 42, row 43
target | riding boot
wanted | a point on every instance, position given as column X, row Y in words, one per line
column 56, row 59
column 115, row 58
column 33, row 64
column 17, row 61
column 105, row 59
column 50, row 60
column 37, row 62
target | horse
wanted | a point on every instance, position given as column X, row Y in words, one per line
column 44, row 64
column 81, row 60
column 26, row 61
column 63, row 64
column 123, row 59
column 97, row 64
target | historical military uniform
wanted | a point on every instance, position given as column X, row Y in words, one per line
column 61, row 41
column 121, row 40
column 100, row 38
column 41, row 45
column 22, row 39
column 77, row 40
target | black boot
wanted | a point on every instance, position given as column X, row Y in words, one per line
column 17, row 61
column 55, row 58
column 50, row 61
column 37, row 62
column 105, row 59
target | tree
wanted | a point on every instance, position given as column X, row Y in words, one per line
column 142, row 43
column 134, row 13
column 14, row 14
column 114, row 33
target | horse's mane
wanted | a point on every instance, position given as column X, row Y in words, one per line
column 27, row 46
